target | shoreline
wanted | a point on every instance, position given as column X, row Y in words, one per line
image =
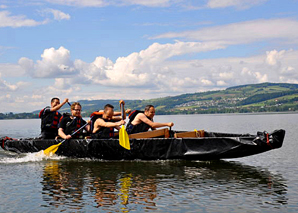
column 233, row 113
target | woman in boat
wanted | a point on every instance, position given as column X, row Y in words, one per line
column 69, row 124
column 142, row 121
column 104, row 125
column 50, row 118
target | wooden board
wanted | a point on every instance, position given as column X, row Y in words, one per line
column 192, row 134
column 151, row 134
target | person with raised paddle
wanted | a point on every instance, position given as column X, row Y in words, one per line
column 50, row 118
column 69, row 124
column 142, row 121
column 105, row 124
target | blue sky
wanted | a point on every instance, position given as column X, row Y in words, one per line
column 140, row 49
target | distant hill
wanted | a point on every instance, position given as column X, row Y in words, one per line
column 264, row 97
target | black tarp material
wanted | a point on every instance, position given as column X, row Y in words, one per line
column 210, row 147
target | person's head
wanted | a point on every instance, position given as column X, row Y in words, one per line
column 108, row 111
column 149, row 111
column 76, row 109
column 55, row 102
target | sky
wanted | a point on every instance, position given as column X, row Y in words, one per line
column 141, row 49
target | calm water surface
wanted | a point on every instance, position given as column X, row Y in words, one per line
column 262, row 183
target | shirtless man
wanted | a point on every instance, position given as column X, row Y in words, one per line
column 104, row 126
column 143, row 121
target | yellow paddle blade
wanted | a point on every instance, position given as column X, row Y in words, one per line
column 123, row 138
column 51, row 150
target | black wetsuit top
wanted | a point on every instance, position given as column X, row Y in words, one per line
column 104, row 132
column 49, row 123
column 142, row 127
column 69, row 126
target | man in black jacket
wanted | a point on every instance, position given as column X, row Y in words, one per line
column 50, row 118
column 70, row 124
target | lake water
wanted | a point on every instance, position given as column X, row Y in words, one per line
column 267, row 182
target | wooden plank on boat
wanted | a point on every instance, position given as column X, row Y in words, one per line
column 192, row 134
column 151, row 134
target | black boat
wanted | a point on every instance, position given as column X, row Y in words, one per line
column 158, row 145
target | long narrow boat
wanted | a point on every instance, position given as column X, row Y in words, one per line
column 159, row 144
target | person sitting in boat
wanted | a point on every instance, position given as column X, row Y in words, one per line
column 50, row 118
column 104, row 125
column 142, row 121
column 69, row 124
column 98, row 114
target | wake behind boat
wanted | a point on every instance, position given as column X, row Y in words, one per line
column 157, row 145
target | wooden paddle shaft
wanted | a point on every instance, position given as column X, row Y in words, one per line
column 122, row 110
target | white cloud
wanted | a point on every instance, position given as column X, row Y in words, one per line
column 62, row 86
column 153, row 72
column 253, row 76
column 54, row 63
column 137, row 69
column 2, row 6
column 58, row 15
column 152, row 68
column 8, row 87
column 240, row 4
column 274, row 56
column 144, row 68
column 6, row 20
column 206, row 82
column 226, row 75
column 221, row 83
column 289, row 71
column 215, row 73
column 11, row 70
column 242, row 32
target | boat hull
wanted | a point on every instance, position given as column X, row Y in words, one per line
column 212, row 146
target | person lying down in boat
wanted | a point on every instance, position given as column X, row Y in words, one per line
column 142, row 121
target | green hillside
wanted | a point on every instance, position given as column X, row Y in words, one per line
column 264, row 97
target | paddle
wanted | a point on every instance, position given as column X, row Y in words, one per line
column 123, row 136
column 52, row 149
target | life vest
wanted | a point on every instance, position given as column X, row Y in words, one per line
column 93, row 117
column 50, row 120
column 132, row 115
column 66, row 114
column 142, row 127
column 71, row 127
column 104, row 132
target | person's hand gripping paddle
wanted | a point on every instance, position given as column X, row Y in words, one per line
column 52, row 149
column 123, row 136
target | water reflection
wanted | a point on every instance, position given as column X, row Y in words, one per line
column 159, row 185
column 62, row 186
